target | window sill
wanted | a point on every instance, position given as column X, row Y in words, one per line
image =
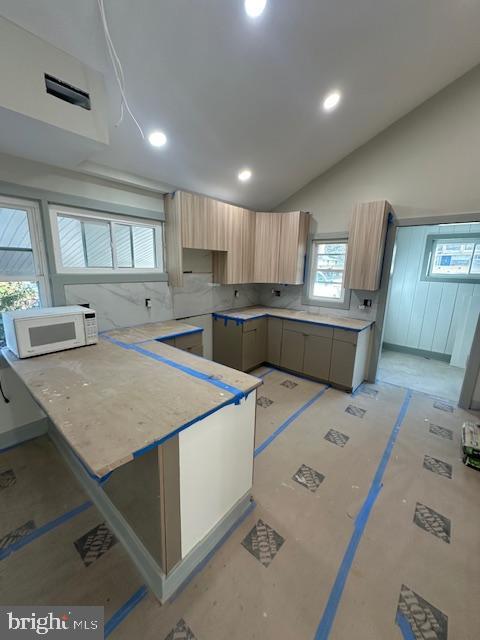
column 330, row 304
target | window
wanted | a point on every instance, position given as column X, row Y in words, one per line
column 22, row 259
column 100, row 243
column 452, row 258
column 326, row 285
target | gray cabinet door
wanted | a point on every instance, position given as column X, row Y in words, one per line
column 274, row 340
column 292, row 350
column 318, row 353
column 250, row 355
column 254, row 343
column 342, row 363
column 227, row 343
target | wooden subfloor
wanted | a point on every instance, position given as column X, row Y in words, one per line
column 366, row 521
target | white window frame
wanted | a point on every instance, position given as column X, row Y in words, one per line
column 308, row 297
column 111, row 219
column 38, row 247
column 458, row 278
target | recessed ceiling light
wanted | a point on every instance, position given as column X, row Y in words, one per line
column 244, row 175
column 254, row 8
column 157, row 139
column 331, row 101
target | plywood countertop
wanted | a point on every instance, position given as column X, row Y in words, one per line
column 152, row 331
column 111, row 402
column 338, row 322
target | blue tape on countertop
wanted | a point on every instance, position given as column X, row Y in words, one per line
column 235, row 398
column 239, row 320
column 121, row 613
column 330, row 611
column 170, row 336
column 181, row 367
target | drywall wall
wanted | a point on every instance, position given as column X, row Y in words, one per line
column 424, row 315
column 19, row 411
column 424, row 164
column 37, row 175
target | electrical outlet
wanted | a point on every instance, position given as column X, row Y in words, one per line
column 276, row 292
column 367, row 303
column 148, row 303
column 236, row 293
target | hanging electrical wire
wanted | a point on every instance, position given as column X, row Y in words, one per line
column 118, row 70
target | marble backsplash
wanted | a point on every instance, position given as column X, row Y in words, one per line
column 291, row 298
column 123, row 304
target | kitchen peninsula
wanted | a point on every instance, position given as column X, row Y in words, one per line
column 160, row 438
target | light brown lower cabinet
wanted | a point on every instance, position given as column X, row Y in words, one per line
column 333, row 355
column 254, row 350
column 274, row 340
column 318, row 353
column 240, row 346
column 191, row 342
column 293, row 346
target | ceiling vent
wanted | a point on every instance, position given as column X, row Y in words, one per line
column 53, row 108
column 66, row 92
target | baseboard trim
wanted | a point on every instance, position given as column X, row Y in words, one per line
column 163, row 586
column 24, row 433
column 433, row 355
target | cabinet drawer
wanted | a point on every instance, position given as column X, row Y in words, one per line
column 346, row 336
column 251, row 325
column 189, row 340
column 308, row 328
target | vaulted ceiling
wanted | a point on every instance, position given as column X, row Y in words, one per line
column 232, row 92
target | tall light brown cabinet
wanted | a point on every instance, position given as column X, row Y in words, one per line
column 247, row 246
column 366, row 244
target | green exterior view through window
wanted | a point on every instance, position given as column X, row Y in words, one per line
column 22, row 281
column 328, row 270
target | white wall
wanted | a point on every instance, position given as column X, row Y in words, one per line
column 43, row 176
column 424, row 164
column 424, row 315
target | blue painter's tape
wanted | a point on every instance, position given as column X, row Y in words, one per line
column 192, row 372
column 120, row 615
column 170, row 336
column 181, row 367
column 157, row 443
column 45, row 528
column 288, row 422
column 405, row 628
column 233, row 318
column 238, row 320
column 210, row 555
column 328, row 617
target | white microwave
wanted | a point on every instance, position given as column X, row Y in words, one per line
column 33, row 332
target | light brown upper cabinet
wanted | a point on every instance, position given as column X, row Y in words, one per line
column 366, row 244
column 204, row 222
column 267, row 246
column 293, row 246
column 280, row 247
column 247, row 246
